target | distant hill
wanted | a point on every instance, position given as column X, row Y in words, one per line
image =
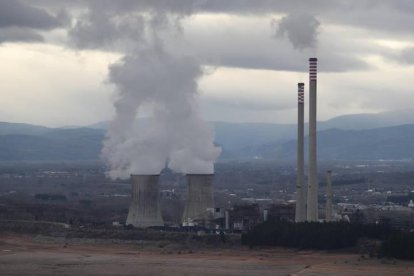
column 25, row 129
column 244, row 136
column 53, row 144
column 358, row 136
column 368, row 121
column 390, row 143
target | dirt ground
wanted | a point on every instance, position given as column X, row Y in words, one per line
column 27, row 255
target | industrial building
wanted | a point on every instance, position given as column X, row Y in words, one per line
column 144, row 210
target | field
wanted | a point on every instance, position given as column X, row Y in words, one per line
column 39, row 255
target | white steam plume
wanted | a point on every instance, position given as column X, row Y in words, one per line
column 301, row 29
column 176, row 133
column 148, row 75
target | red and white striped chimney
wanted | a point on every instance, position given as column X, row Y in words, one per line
column 312, row 207
column 300, row 211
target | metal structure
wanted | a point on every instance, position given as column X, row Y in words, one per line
column 200, row 199
column 144, row 210
column 328, row 214
column 312, row 198
column 300, row 211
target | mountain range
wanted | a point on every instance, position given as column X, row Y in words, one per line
column 385, row 135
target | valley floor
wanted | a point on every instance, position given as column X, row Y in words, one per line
column 27, row 255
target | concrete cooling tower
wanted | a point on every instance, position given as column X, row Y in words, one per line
column 144, row 210
column 200, row 202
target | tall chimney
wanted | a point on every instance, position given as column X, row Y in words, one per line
column 300, row 212
column 144, row 210
column 199, row 199
column 328, row 214
column 312, row 208
column 227, row 220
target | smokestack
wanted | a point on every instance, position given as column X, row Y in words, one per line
column 144, row 210
column 199, row 199
column 312, row 208
column 300, row 212
column 265, row 214
column 328, row 214
column 227, row 220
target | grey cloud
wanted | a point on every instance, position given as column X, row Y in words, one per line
column 247, row 102
column 14, row 13
column 301, row 29
column 20, row 22
column 260, row 51
column 112, row 25
column 407, row 55
column 403, row 57
column 14, row 34
column 328, row 63
column 100, row 28
column 360, row 13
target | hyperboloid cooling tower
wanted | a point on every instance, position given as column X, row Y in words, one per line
column 144, row 210
column 199, row 199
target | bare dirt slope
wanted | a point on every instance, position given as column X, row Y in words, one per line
column 23, row 255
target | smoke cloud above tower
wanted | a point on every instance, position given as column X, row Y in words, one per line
column 300, row 28
column 149, row 76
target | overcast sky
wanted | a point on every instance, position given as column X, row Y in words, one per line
column 55, row 55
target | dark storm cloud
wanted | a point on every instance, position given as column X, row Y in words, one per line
column 109, row 25
column 19, row 21
column 14, row 13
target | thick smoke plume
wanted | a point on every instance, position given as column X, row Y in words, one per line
column 175, row 134
column 301, row 29
column 150, row 76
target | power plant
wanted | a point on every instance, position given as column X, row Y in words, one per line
column 312, row 206
column 199, row 209
column 300, row 212
column 199, row 206
column 144, row 210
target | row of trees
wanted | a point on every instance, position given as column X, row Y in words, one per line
column 331, row 235
column 399, row 245
column 314, row 235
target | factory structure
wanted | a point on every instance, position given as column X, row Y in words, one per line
column 199, row 206
column 144, row 210
column 307, row 206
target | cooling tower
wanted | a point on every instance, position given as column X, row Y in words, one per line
column 300, row 212
column 199, row 199
column 312, row 207
column 144, row 210
column 328, row 214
